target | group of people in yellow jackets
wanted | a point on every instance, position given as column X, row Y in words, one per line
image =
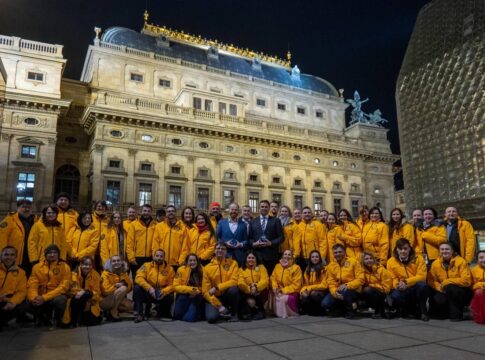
column 78, row 265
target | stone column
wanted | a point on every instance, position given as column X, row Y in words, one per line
column 98, row 181
column 217, row 176
column 130, row 184
column 308, row 201
column 265, row 181
column 287, row 193
column 242, row 196
column 190, row 186
column 161, row 193
column 346, row 200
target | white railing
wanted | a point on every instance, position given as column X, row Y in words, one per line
column 16, row 43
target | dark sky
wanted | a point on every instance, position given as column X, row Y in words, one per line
column 355, row 44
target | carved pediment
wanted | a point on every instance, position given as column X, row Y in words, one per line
column 30, row 140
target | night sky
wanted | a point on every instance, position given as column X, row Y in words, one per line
column 355, row 44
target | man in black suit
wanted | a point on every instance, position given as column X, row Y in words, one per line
column 265, row 236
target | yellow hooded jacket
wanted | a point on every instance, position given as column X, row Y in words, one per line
column 312, row 283
column 109, row 246
column 220, row 274
column 287, row 279
column 312, row 236
column 181, row 281
column 83, row 243
column 289, row 236
column 68, row 219
column 351, row 237
column 12, row 233
column 257, row 275
column 406, row 231
column 13, row 284
column 49, row 280
column 467, row 240
column 174, row 240
column 375, row 240
column 458, row 273
column 156, row 276
column 378, row 278
column 201, row 244
column 348, row 272
column 478, row 277
column 92, row 283
column 42, row 236
column 429, row 240
column 139, row 242
column 110, row 279
column 412, row 272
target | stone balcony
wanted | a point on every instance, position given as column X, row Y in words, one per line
column 31, row 47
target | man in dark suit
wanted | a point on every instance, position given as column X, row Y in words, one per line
column 233, row 232
column 265, row 236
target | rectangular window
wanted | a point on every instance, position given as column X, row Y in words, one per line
column 203, row 173
column 277, row 197
column 355, row 209
column 136, row 77
column 25, row 186
column 208, row 105
column 229, row 196
column 113, row 192
column 253, row 178
column 281, row 107
column 337, row 205
column 175, row 196
column 337, row 186
column 144, row 194
column 319, row 114
column 146, row 167
column 115, row 164
column 318, row 203
column 297, row 182
column 317, row 184
column 175, row 170
column 203, row 198
column 222, row 108
column 29, row 152
column 232, row 110
column 35, row 76
column 197, row 103
column 300, row 110
column 261, row 102
column 276, row 179
column 298, row 201
column 254, row 201
column 229, row 175
column 165, row 83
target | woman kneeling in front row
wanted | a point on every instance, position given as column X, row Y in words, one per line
column 314, row 286
column 377, row 285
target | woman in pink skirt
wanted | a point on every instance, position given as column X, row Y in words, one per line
column 478, row 285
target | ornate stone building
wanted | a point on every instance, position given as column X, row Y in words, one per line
column 441, row 108
column 163, row 117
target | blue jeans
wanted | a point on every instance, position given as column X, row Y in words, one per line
column 188, row 308
column 142, row 297
column 329, row 303
column 406, row 300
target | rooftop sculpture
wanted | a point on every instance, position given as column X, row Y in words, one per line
column 359, row 116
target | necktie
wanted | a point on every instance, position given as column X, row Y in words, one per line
column 263, row 223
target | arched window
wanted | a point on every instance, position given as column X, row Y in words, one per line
column 67, row 180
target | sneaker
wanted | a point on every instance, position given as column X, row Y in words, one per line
column 138, row 318
column 376, row 316
column 258, row 316
column 424, row 317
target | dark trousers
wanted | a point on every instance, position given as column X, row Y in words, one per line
column 79, row 314
column 406, row 300
column 6, row 316
column 312, row 304
column 245, row 309
column 143, row 298
column 188, row 308
column 335, row 306
column 139, row 262
column 374, row 299
column 230, row 299
column 53, row 309
column 451, row 302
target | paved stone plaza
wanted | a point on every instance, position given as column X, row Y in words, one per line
column 299, row 338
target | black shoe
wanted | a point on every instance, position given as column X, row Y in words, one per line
column 258, row 316
column 349, row 315
column 424, row 317
column 377, row 315
column 138, row 318
column 245, row 317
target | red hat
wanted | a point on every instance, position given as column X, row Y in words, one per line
column 215, row 203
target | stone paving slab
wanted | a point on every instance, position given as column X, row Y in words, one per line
column 295, row 338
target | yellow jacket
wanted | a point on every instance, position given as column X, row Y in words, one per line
column 49, row 280
column 312, row 236
column 92, row 283
column 13, row 284
column 156, row 276
column 332, row 239
column 109, row 246
column 12, row 233
column 413, row 272
column 287, row 279
column 467, row 240
column 311, row 283
column 378, row 278
column 110, row 279
column 429, row 240
column 83, row 243
column 289, row 235
column 248, row 276
column 174, row 240
column 351, row 237
column 375, row 240
column 139, row 242
column 406, row 231
column 181, row 281
column 221, row 274
column 42, row 236
column 68, row 219
column 457, row 273
column 101, row 225
column 126, row 224
column 478, row 277
column 348, row 272
column 201, row 244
